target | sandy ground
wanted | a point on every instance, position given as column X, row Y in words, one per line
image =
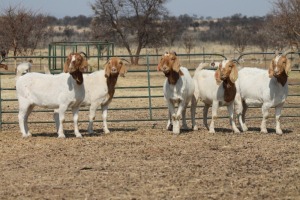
column 144, row 161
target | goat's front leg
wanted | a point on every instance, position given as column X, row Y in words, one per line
column 61, row 112
column 214, row 108
column 175, row 120
column 240, row 109
column 277, row 116
column 104, row 118
column 232, row 123
column 265, row 112
column 23, row 120
column 75, row 119
column 92, row 115
column 184, row 125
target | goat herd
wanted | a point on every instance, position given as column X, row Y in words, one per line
column 229, row 85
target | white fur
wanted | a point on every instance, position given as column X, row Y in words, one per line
column 255, row 88
column 181, row 93
column 211, row 94
column 51, row 91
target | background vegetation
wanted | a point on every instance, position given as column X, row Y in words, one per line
column 136, row 25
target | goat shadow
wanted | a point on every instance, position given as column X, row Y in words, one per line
column 270, row 130
column 97, row 132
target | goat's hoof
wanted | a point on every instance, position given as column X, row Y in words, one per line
column 263, row 131
column 79, row 136
column 279, row 132
column 170, row 127
column 212, row 131
column 106, row 131
column 195, row 128
column 61, row 136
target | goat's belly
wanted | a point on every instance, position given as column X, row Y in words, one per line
column 253, row 102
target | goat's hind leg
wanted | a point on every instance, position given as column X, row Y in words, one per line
column 24, row 112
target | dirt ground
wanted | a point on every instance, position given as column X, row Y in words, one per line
column 144, row 161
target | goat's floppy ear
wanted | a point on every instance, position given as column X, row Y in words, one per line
column 67, row 63
column 271, row 69
column 106, row 69
column 176, row 64
column 123, row 70
column 288, row 67
column 84, row 65
column 218, row 75
column 234, row 73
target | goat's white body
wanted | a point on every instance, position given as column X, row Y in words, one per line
column 211, row 94
column 255, row 88
column 181, row 93
column 96, row 95
column 51, row 91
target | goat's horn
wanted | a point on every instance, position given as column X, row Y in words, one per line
column 287, row 51
column 125, row 60
column 84, row 54
column 235, row 61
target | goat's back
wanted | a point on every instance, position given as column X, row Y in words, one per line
column 49, row 90
column 207, row 88
column 255, row 87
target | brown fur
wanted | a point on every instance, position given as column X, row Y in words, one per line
column 112, row 64
column 3, row 66
column 80, row 63
column 229, row 90
column 283, row 66
column 170, row 66
column 228, row 75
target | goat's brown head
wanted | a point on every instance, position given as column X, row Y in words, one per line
column 3, row 66
column 75, row 62
column 114, row 67
column 169, row 63
column 227, row 69
column 75, row 65
column 280, row 65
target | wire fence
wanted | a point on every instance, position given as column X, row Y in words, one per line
column 139, row 96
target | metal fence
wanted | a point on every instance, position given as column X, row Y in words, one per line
column 139, row 95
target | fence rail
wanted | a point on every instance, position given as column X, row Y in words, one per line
column 145, row 85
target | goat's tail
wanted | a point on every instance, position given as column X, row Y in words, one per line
column 203, row 66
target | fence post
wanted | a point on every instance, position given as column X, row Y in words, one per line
column 149, row 89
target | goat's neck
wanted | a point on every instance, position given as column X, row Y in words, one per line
column 229, row 90
column 282, row 78
column 111, row 83
column 172, row 77
column 77, row 75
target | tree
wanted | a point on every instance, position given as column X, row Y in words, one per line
column 133, row 23
column 287, row 20
column 24, row 29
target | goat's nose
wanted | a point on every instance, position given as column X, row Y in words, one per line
column 114, row 69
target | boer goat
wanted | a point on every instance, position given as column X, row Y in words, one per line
column 178, row 89
column 100, row 88
column 215, row 88
column 52, row 91
column 265, row 88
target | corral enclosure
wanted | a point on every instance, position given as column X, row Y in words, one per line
column 139, row 159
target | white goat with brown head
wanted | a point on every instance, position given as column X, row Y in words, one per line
column 178, row 89
column 52, row 91
column 99, row 89
column 265, row 88
column 215, row 88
